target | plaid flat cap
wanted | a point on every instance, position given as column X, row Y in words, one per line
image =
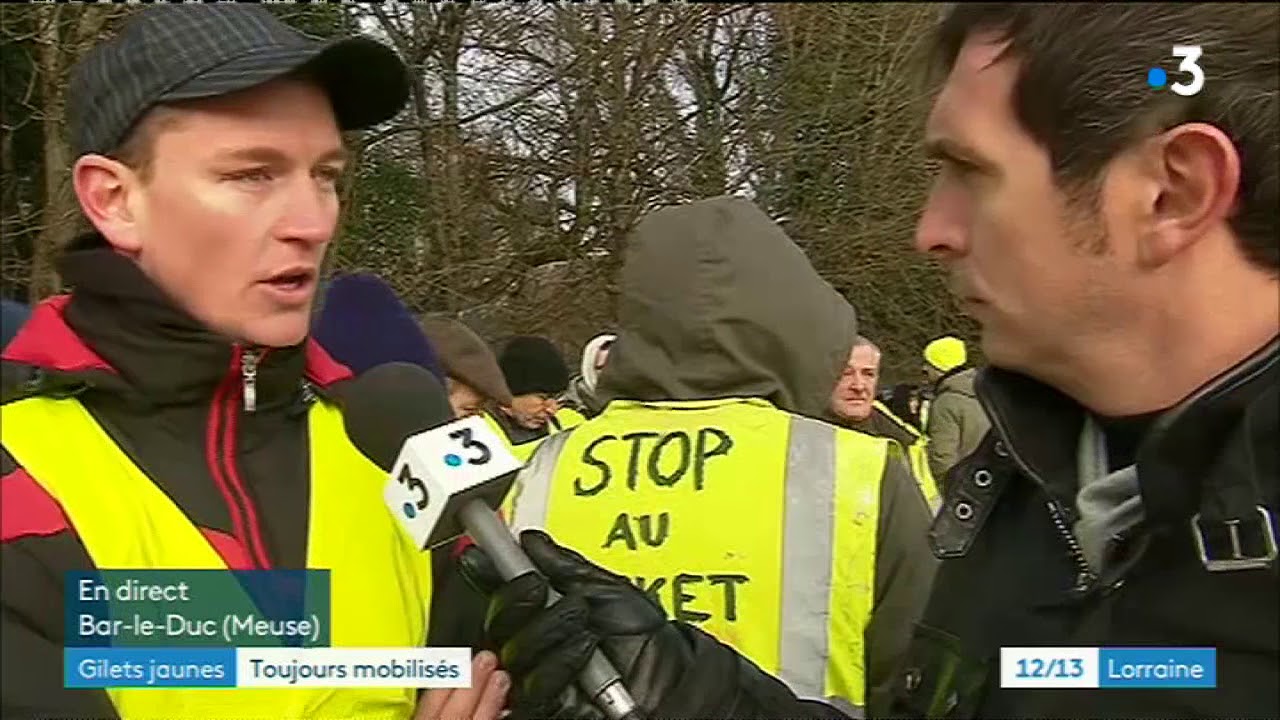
column 167, row 53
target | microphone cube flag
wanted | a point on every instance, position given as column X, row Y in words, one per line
column 441, row 470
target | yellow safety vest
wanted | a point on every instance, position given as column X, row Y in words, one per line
column 918, row 456
column 566, row 418
column 380, row 582
column 757, row 525
column 522, row 452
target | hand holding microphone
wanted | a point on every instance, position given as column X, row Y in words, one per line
column 543, row 647
column 448, row 478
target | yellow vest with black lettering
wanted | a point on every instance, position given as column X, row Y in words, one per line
column 757, row 525
column 380, row 583
column 918, row 456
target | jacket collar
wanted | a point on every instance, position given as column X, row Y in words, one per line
column 118, row 332
column 1041, row 427
column 936, row 387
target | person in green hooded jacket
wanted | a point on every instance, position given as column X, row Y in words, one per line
column 953, row 419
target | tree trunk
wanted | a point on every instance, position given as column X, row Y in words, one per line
column 57, row 221
column 60, row 43
column 452, row 28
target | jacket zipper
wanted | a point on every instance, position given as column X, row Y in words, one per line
column 249, row 378
column 222, row 449
column 1085, row 576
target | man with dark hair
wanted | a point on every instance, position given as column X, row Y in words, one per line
column 171, row 412
column 1118, row 246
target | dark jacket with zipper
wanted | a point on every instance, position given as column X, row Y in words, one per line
column 1014, row 575
column 215, row 425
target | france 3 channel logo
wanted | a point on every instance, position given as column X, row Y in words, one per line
column 1101, row 668
column 1190, row 55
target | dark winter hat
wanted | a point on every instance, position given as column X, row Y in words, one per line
column 168, row 53
column 363, row 324
column 533, row 365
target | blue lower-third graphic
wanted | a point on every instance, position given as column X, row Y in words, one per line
column 149, row 667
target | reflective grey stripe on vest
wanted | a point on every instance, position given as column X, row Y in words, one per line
column 533, row 484
column 806, row 571
column 806, row 561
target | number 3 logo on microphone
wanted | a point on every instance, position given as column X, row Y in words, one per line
column 416, row 487
column 468, row 442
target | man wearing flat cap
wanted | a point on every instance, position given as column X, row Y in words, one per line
column 171, row 411
column 475, row 381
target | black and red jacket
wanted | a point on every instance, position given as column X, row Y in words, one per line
column 220, row 428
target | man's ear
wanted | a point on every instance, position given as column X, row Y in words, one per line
column 103, row 187
column 1196, row 172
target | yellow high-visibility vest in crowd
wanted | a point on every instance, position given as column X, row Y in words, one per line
column 522, row 452
column 754, row 524
column 918, row 456
column 380, row 583
column 565, row 419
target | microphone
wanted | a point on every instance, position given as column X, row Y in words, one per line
column 446, row 478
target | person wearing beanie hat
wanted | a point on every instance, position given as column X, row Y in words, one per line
column 580, row 398
column 363, row 324
column 953, row 419
column 472, row 373
column 944, row 354
column 537, row 375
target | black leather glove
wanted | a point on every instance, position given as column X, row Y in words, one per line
column 672, row 670
column 544, row 648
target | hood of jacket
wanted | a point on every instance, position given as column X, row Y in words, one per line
column 717, row 302
column 959, row 381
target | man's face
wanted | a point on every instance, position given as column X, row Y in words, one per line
column 1023, row 261
column 239, row 208
column 931, row 374
column 464, row 399
column 602, row 357
column 534, row 410
column 856, row 389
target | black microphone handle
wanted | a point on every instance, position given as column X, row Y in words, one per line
column 598, row 679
